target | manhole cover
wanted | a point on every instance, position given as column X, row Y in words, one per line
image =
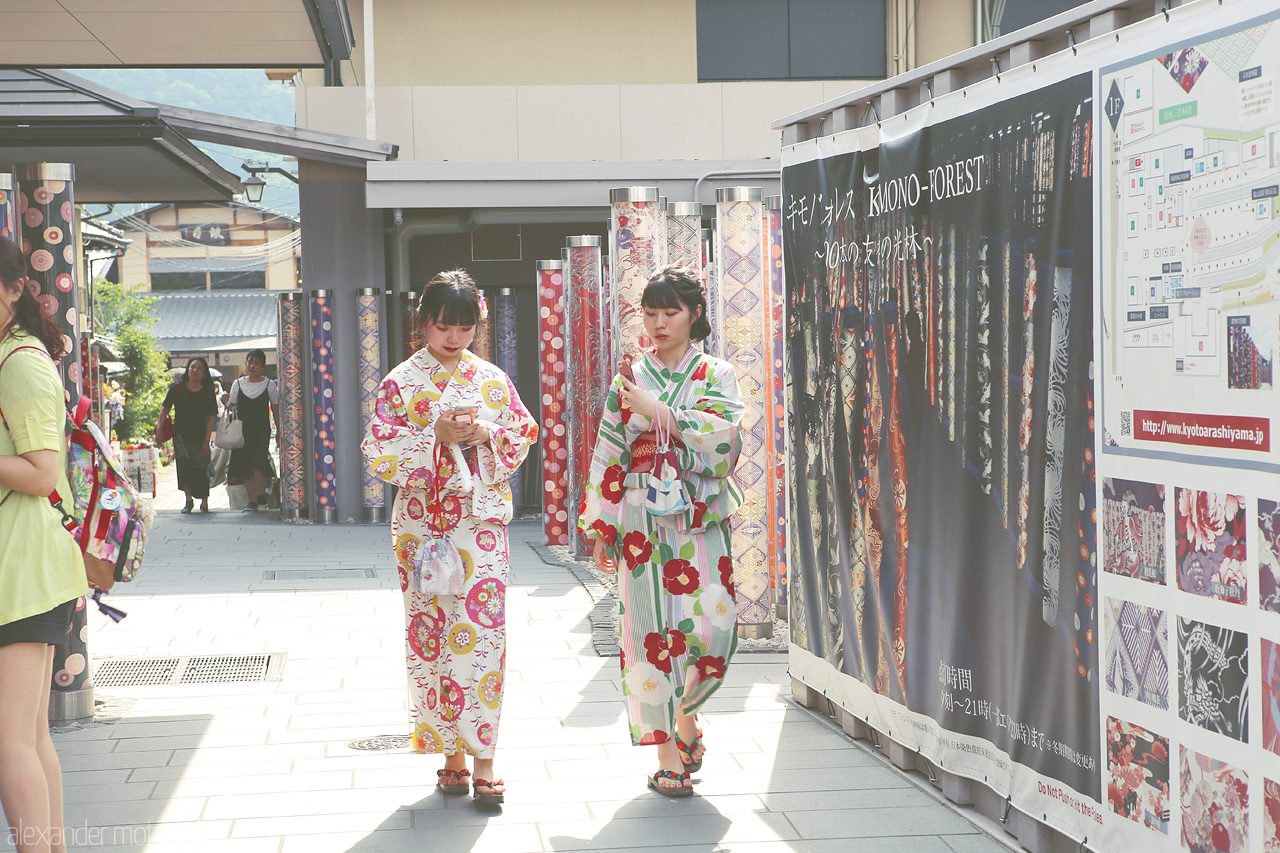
column 191, row 669
column 381, row 743
column 316, row 574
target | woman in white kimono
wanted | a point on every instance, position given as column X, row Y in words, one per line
column 449, row 431
column 677, row 615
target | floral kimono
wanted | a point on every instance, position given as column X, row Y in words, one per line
column 677, row 615
column 455, row 645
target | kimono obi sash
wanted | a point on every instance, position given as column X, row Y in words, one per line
column 643, row 450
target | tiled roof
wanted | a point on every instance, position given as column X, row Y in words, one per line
column 213, row 317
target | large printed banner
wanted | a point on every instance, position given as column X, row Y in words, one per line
column 1086, row 622
column 943, row 539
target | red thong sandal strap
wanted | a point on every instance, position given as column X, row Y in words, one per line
column 670, row 774
column 483, row 783
column 461, row 774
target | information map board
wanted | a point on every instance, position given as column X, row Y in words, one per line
column 1035, row 506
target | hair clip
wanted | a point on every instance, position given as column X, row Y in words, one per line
column 484, row 309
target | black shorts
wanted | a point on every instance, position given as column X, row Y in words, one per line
column 51, row 628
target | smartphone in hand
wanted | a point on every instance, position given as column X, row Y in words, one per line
column 624, row 369
column 466, row 414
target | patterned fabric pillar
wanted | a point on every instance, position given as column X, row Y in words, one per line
column 552, row 353
column 10, row 228
column 713, row 343
column 368, row 325
column 46, row 202
column 590, row 368
column 775, row 339
column 47, row 222
column 325, row 448
column 744, row 299
column 684, row 235
column 483, row 343
column 293, row 406
column 639, row 244
column 504, row 325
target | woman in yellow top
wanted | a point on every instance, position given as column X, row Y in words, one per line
column 42, row 578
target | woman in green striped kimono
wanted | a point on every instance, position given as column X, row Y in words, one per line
column 677, row 614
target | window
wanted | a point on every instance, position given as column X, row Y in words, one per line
column 219, row 279
column 790, row 39
column 1001, row 17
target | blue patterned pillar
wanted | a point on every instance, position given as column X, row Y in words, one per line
column 504, row 325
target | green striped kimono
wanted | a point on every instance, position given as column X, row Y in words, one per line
column 677, row 614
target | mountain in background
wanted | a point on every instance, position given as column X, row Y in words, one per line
column 241, row 92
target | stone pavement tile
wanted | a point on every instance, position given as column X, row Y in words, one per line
column 491, row 838
column 316, row 824
column 462, row 811
column 302, row 803
column 713, row 781
column 211, row 740
column 72, row 761
column 254, row 845
column 654, row 806
column 722, row 746
column 907, row 796
column 94, row 777
column 936, row 819
column 643, row 832
column 134, row 813
column 127, row 791
column 527, row 772
column 980, row 843
column 210, row 786
column 219, row 755
column 233, row 769
column 924, row 844
column 764, row 763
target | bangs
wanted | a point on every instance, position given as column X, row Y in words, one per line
column 661, row 294
column 456, row 308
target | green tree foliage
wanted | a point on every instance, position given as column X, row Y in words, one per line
column 126, row 317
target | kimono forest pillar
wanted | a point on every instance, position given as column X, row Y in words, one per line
column 47, row 211
column 712, row 344
column 325, row 447
column 684, row 235
column 552, row 353
column 589, row 365
column 368, row 325
column 775, row 338
column 504, row 326
column 744, row 298
column 639, row 245
column 9, row 227
column 293, row 442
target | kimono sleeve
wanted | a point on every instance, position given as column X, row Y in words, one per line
column 602, row 512
column 710, row 428
column 512, row 431
column 398, row 449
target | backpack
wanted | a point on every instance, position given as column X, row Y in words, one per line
column 104, row 512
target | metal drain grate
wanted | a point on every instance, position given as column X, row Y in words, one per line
column 381, row 743
column 316, row 574
column 193, row 669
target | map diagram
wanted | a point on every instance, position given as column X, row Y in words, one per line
column 1191, row 229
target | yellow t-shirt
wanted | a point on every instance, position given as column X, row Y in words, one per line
column 40, row 563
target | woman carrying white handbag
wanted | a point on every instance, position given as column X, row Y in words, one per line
column 658, row 502
column 255, row 403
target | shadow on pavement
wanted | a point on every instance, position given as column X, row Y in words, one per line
column 654, row 821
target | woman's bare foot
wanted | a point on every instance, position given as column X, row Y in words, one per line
column 669, row 759
column 687, row 731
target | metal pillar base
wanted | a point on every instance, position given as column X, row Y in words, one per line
column 780, row 611
column 763, row 631
column 292, row 514
column 373, row 515
column 71, row 706
column 326, row 516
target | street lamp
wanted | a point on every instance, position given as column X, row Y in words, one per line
column 254, row 184
column 253, row 187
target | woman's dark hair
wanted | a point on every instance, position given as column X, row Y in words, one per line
column 254, row 354
column 26, row 311
column 186, row 374
column 451, row 298
column 676, row 287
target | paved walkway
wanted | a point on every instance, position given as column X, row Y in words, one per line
column 250, row 767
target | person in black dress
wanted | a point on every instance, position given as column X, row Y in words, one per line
column 194, row 407
column 256, row 399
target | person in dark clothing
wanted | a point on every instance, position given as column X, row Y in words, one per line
column 194, row 408
column 256, row 399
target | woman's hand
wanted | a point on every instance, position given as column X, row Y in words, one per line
column 480, row 434
column 637, row 399
column 601, row 556
column 451, row 430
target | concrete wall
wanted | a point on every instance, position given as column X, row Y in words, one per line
column 343, row 249
column 696, row 121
